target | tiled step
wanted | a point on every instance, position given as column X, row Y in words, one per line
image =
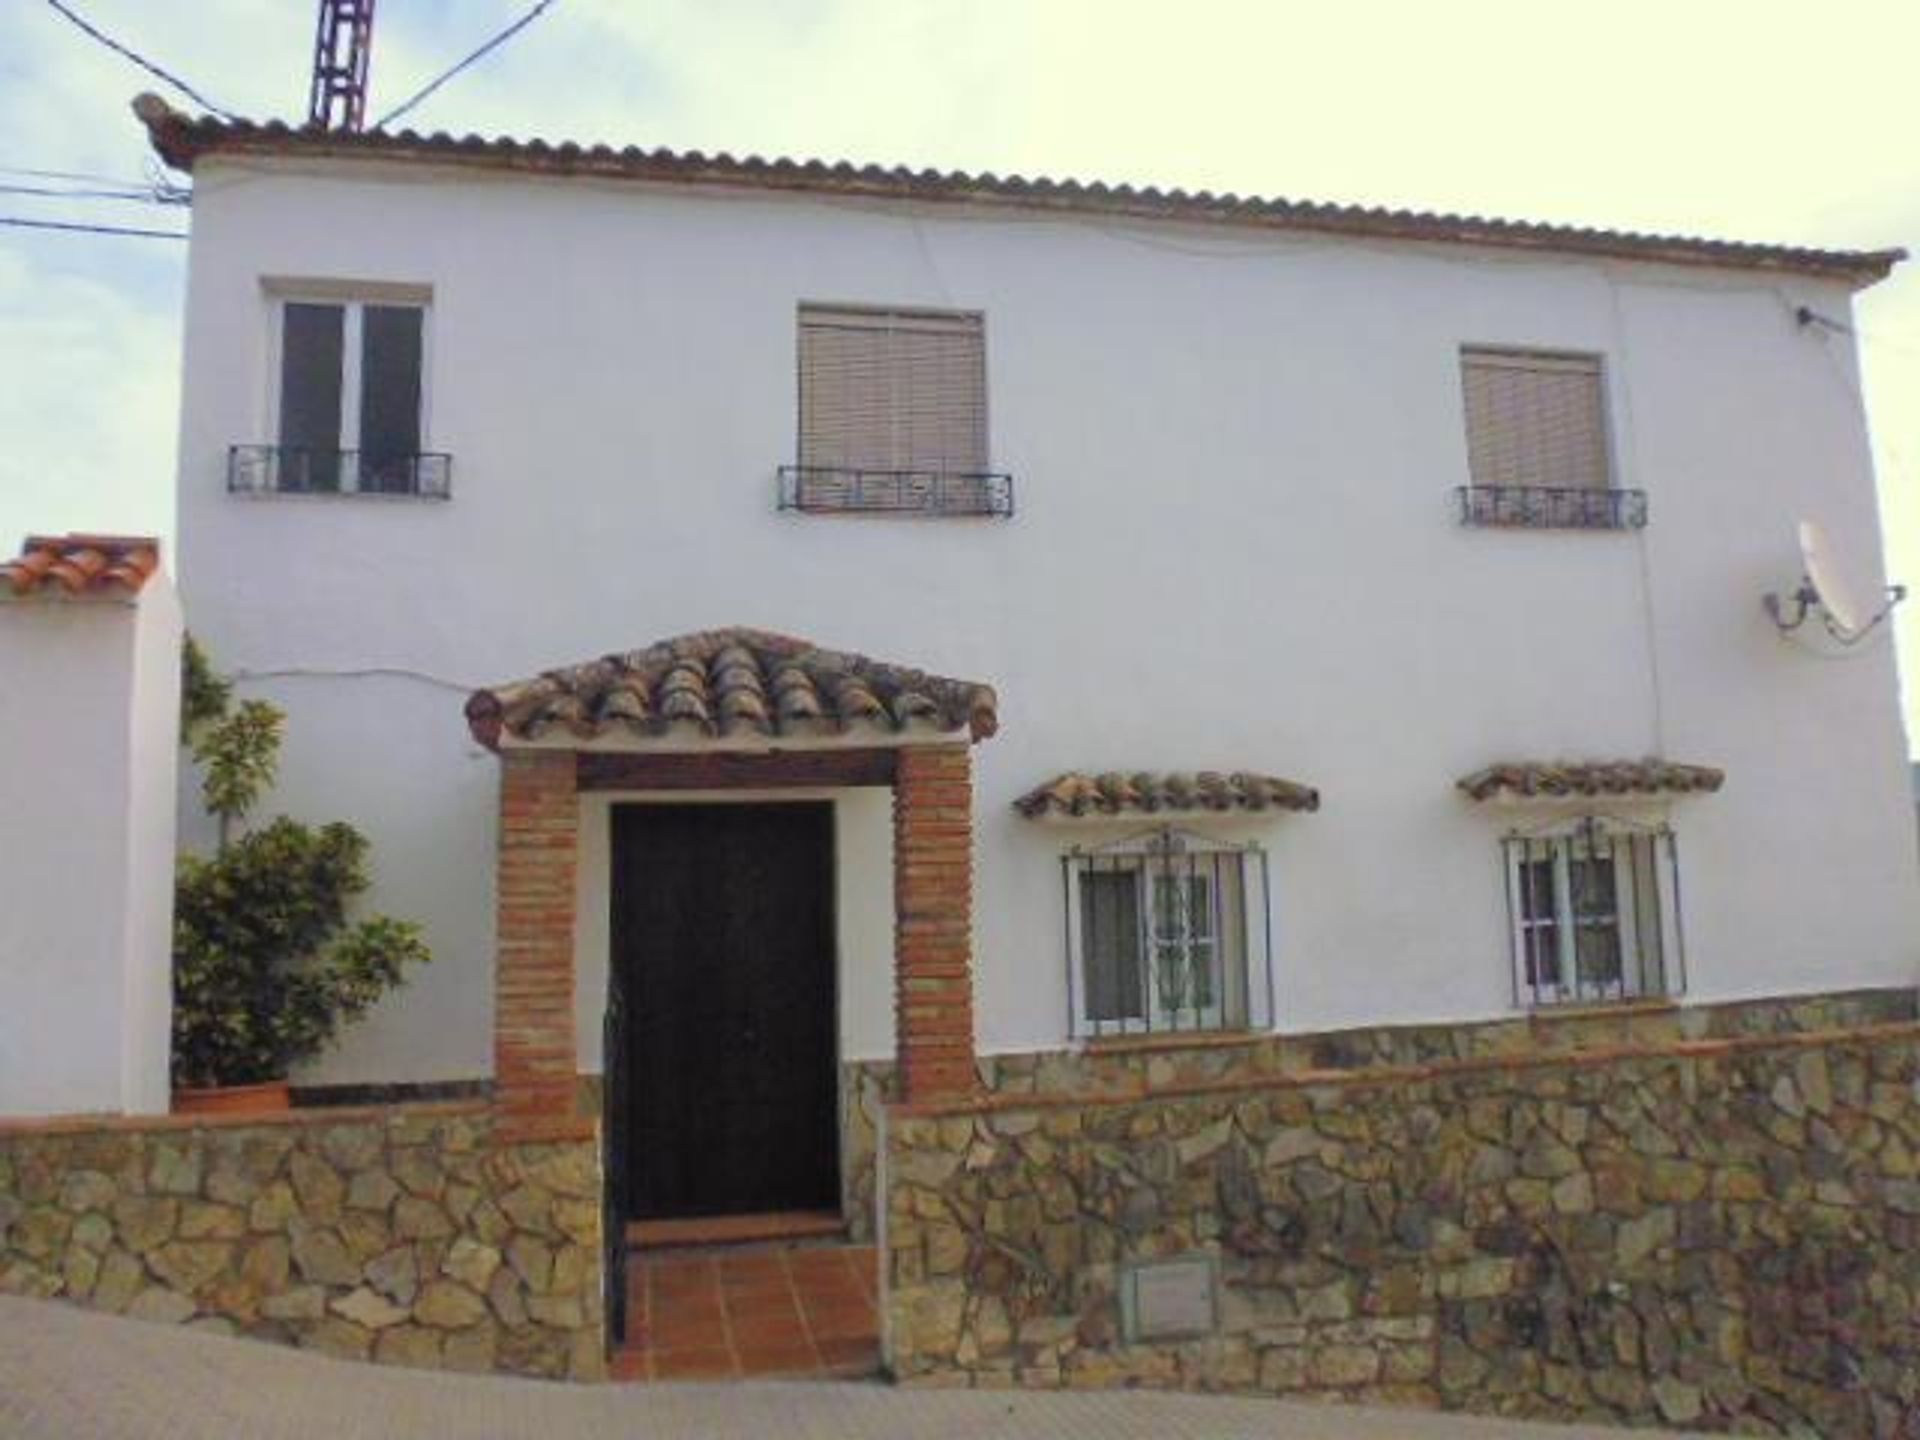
column 793, row 1311
column 736, row 1229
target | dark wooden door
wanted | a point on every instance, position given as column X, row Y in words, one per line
column 723, row 942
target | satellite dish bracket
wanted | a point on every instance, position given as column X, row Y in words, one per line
column 1790, row 612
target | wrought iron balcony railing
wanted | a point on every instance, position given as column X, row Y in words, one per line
column 293, row 470
column 839, row 489
column 1545, row 507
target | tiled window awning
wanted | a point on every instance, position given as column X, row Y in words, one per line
column 1076, row 795
column 81, row 565
column 731, row 685
column 1534, row 780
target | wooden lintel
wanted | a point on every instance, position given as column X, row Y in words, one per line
column 728, row 770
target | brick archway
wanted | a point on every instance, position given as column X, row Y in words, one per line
column 730, row 709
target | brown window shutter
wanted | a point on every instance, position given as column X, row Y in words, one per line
column 1535, row 419
column 892, row 390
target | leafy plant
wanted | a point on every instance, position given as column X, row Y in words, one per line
column 267, row 965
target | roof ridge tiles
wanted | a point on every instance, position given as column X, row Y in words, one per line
column 182, row 140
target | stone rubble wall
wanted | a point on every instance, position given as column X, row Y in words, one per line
column 408, row 1235
column 1721, row 1234
column 1129, row 1068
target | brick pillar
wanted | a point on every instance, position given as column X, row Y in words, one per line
column 933, row 922
column 533, row 1039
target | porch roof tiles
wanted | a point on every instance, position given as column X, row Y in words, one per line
column 1079, row 795
column 81, row 565
column 1561, row 779
column 726, row 684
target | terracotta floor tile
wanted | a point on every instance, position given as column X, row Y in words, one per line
column 672, row 1334
column 768, row 1330
column 849, row 1355
column 629, row 1365
column 708, row 1363
column 779, row 1360
column 763, row 1262
column 688, row 1308
column 843, row 1327
column 765, row 1313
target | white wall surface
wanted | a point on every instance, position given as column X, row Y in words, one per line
column 88, row 713
column 153, row 760
column 1235, row 548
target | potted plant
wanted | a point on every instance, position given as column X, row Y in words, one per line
column 267, row 964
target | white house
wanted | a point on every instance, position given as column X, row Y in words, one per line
column 89, row 706
column 1402, row 575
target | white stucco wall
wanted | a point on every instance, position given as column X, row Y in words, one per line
column 1235, row 548
column 88, row 717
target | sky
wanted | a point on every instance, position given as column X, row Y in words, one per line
column 1756, row 120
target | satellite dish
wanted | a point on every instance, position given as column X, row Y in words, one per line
column 1831, row 590
column 1826, row 590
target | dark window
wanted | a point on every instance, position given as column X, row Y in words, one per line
column 312, row 345
column 389, row 395
column 1110, row 936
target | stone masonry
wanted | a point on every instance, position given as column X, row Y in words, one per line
column 406, row 1236
column 1721, row 1234
column 1124, row 1068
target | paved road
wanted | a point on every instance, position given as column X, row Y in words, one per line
column 67, row 1374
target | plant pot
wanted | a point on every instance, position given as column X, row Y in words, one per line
column 234, row 1099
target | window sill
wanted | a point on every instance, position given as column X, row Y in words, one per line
column 1603, row 1009
column 389, row 496
column 1173, row 1040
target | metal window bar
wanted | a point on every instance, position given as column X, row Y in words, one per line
column 840, row 489
column 1547, row 507
column 299, row 470
column 1177, row 955
column 1582, row 934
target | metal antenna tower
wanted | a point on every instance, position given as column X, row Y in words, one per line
column 342, row 46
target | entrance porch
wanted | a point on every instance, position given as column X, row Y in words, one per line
column 713, row 757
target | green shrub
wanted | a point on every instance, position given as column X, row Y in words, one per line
column 267, row 964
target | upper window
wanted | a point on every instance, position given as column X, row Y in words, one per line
column 347, row 402
column 1592, row 908
column 1164, row 935
column 1537, row 443
column 893, row 413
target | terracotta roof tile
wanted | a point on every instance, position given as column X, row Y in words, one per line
column 182, row 140
column 1151, row 792
column 1541, row 780
column 730, row 683
column 81, row 565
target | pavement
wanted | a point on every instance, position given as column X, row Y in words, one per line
column 69, row 1374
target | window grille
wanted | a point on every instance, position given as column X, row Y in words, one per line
column 1167, row 932
column 1594, row 912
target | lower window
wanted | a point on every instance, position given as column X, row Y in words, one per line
column 1594, row 912
column 1167, row 933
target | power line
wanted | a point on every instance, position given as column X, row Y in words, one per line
column 86, row 27
column 539, row 9
column 83, row 176
column 140, row 197
column 21, row 222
